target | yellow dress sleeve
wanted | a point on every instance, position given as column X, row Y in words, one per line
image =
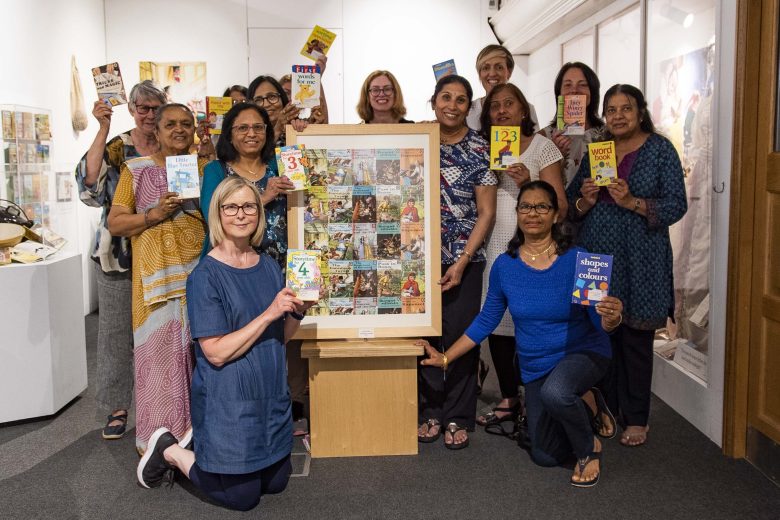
column 125, row 196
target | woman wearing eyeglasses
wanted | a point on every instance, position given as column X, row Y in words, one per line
column 381, row 99
column 630, row 220
column 166, row 235
column 241, row 316
column 562, row 348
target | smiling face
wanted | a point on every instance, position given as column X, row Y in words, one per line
column 176, row 131
column 492, row 72
column 574, row 83
column 263, row 91
column 535, row 224
column 381, row 95
column 622, row 116
column 506, row 109
column 451, row 106
column 240, row 225
column 251, row 142
column 145, row 122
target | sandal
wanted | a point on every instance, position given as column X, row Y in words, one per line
column 116, row 431
column 431, row 423
column 581, row 465
column 602, row 410
column 492, row 418
column 634, row 439
column 453, row 428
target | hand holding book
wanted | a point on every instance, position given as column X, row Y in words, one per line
column 519, row 173
column 611, row 311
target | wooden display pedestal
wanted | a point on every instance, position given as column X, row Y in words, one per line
column 363, row 396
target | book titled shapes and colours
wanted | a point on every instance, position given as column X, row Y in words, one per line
column 318, row 43
column 591, row 278
column 303, row 274
column 292, row 165
column 504, row 146
column 108, row 81
column 603, row 162
column 183, row 177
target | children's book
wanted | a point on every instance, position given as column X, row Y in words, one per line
column 574, row 115
column 444, row 68
column 292, row 165
column 303, row 274
column 318, row 43
column 559, row 124
column 183, row 177
column 305, row 84
column 591, row 278
column 216, row 108
column 110, row 87
column 603, row 162
column 504, row 146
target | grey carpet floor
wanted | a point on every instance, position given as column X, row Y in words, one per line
column 59, row 467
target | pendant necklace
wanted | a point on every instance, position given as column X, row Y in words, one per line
column 534, row 256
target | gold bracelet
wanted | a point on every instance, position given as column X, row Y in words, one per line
column 445, row 362
column 577, row 205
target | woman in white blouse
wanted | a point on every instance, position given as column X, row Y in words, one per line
column 540, row 159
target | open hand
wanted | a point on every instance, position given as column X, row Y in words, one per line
column 435, row 358
column 453, row 276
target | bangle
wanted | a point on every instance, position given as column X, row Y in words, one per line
column 637, row 203
column 444, row 362
column 296, row 315
column 146, row 216
column 577, row 205
column 467, row 254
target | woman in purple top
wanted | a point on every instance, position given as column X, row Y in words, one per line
column 562, row 347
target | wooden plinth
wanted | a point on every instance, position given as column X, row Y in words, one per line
column 363, row 397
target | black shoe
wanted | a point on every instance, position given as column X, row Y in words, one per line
column 153, row 469
column 116, row 431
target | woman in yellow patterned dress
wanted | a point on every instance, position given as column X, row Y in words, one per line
column 166, row 236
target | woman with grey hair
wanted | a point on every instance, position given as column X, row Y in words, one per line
column 97, row 175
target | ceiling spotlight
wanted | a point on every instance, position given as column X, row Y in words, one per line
column 676, row 15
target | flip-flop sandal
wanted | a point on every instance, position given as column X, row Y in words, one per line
column 581, row 465
column 430, row 438
column 626, row 438
column 602, row 410
column 453, row 428
column 492, row 418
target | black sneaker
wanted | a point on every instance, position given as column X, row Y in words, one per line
column 153, row 468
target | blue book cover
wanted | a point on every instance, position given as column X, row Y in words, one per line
column 444, row 68
column 591, row 278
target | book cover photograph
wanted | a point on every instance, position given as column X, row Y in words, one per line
column 318, row 43
column 291, row 164
column 603, row 162
column 388, row 166
column 340, row 167
column 445, row 68
column 303, row 274
column 412, row 163
column 574, row 108
column 42, row 127
column 108, row 81
column 305, row 85
column 183, row 177
column 591, row 278
column 216, row 108
column 316, row 162
column 504, row 146
column 9, row 131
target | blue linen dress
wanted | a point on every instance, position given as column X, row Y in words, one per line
column 241, row 411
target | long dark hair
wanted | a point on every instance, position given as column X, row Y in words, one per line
column 594, row 85
column 226, row 152
column 645, row 121
column 562, row 239
column 526, row 125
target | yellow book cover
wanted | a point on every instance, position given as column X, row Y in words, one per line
column 504, row 146
column 603, row 162
column 318, row 43
column 216, row 108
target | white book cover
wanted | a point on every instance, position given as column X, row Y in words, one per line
column 183, row 178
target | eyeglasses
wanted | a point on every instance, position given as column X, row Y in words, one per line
column 386, row 90
column 540, row 209
column 272, row 99
column 231, row 210
column 144, row 109
column 258, row 128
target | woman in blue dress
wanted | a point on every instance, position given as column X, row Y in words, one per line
column 241, row 316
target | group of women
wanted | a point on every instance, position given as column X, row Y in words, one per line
column 506, row 244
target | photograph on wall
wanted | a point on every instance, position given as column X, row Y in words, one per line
column 64, row 186
column 182, row 82
column 366, row 208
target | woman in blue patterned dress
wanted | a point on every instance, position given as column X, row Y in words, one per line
column 468, row 206
column 630, row 220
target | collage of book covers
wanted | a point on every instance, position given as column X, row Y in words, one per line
column 364, row 211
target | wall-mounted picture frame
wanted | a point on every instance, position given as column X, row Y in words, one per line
column 372, row 210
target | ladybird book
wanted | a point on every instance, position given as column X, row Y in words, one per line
column 303, row 274
column 591, row 278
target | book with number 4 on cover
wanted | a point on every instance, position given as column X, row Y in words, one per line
column 303, row 274
column 183, row 177
column 591, row 278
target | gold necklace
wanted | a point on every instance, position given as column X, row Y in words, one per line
column 533, row 255
column 446, row 139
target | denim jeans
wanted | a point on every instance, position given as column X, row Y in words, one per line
column 558, row 419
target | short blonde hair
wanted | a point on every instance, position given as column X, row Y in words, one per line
column 364, row 109
column 226, row 188
column 493, row 50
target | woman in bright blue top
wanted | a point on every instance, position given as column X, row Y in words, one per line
column 562, row 348
column 241, row 316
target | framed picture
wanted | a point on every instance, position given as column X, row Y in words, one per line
column 371, row 207
column 64, row 186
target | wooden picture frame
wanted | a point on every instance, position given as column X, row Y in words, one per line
column 316, row 218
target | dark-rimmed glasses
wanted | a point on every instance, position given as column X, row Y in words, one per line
column 272, row 99
column 386, row 90
column 541, row 209
column 144, row 109
column 258, row 128
column 231, row 210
